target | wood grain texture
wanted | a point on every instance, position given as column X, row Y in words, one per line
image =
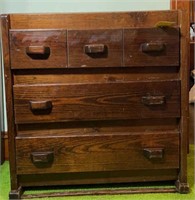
column 115, row 127
column 94, row 75
column 81, row 102
column 6, row 147
column 94, row 121
column 2, row 148
column 184, row 76
column 134, row 39
column 126, row 176
column 192, row 46
column 112, row 56
column 22, row 40
column 91, row 20
column 5, row 25
column 98, row 153
column 192, row 11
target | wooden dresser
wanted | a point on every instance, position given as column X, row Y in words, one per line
column 96, row 98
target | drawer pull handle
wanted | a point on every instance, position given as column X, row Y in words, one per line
column 152, row 47
column 38, row 52
column 153, row 153
column 94, row 48
column 40, row 105
column 42, row 157
column 153, row 100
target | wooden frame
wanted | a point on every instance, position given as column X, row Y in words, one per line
column 16, row 189
column 9, row 103
column 175, row 5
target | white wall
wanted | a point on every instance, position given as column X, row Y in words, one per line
column 40, row 6
column 25, row 6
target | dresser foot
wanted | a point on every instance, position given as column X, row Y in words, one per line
column 15, row 194
column 182, row 188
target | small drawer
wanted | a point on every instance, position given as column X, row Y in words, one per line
column 95, row 48
column 38, row 49
column 96, row 101
column 151, row 47
column 93, row 153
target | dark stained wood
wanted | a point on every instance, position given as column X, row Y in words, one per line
column 101, row 127
column 154, row 154
column 184, row 76
column 38, row 49
column 94, row 48
column 40, row 105
column 5, row 25
column 98, row 153
column 80, row 178
column 192, row 46
column 122, row 120
column 192, row 11
column 152, row 47
column 111, row 20
column 2, row 148
column 80, row 55
column 187, row 7
column 42, row 158
column 153, row 100
column 136, row 39
column 97, row 101
column 6, row 146
column 95, row 75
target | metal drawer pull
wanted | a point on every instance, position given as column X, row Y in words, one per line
column 40, row 105
column 38, row 52
column 153, row 153
column 152, row 47
column 94, row 48
column 153, row 100
column 42, row 157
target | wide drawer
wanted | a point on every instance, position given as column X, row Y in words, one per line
column 38, row 49
column 95, row 48
column 90, row 153
column 151, row 47
column 96, row 101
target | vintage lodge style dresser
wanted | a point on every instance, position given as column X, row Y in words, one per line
column 96, row 98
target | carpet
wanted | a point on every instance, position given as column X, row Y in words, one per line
column 5, row 188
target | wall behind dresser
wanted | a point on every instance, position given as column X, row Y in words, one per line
column 25, row 6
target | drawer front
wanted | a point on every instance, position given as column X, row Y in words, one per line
column 97, row 101
column 151, row 47
column 98, row 153
column 95, row 48
column 38, row 49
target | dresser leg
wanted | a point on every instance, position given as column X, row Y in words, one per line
column 182, row 188
column 15, row 194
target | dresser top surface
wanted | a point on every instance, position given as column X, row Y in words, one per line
column 91, row 20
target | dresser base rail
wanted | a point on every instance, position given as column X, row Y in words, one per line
column 181, row 188
column 100, row 192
